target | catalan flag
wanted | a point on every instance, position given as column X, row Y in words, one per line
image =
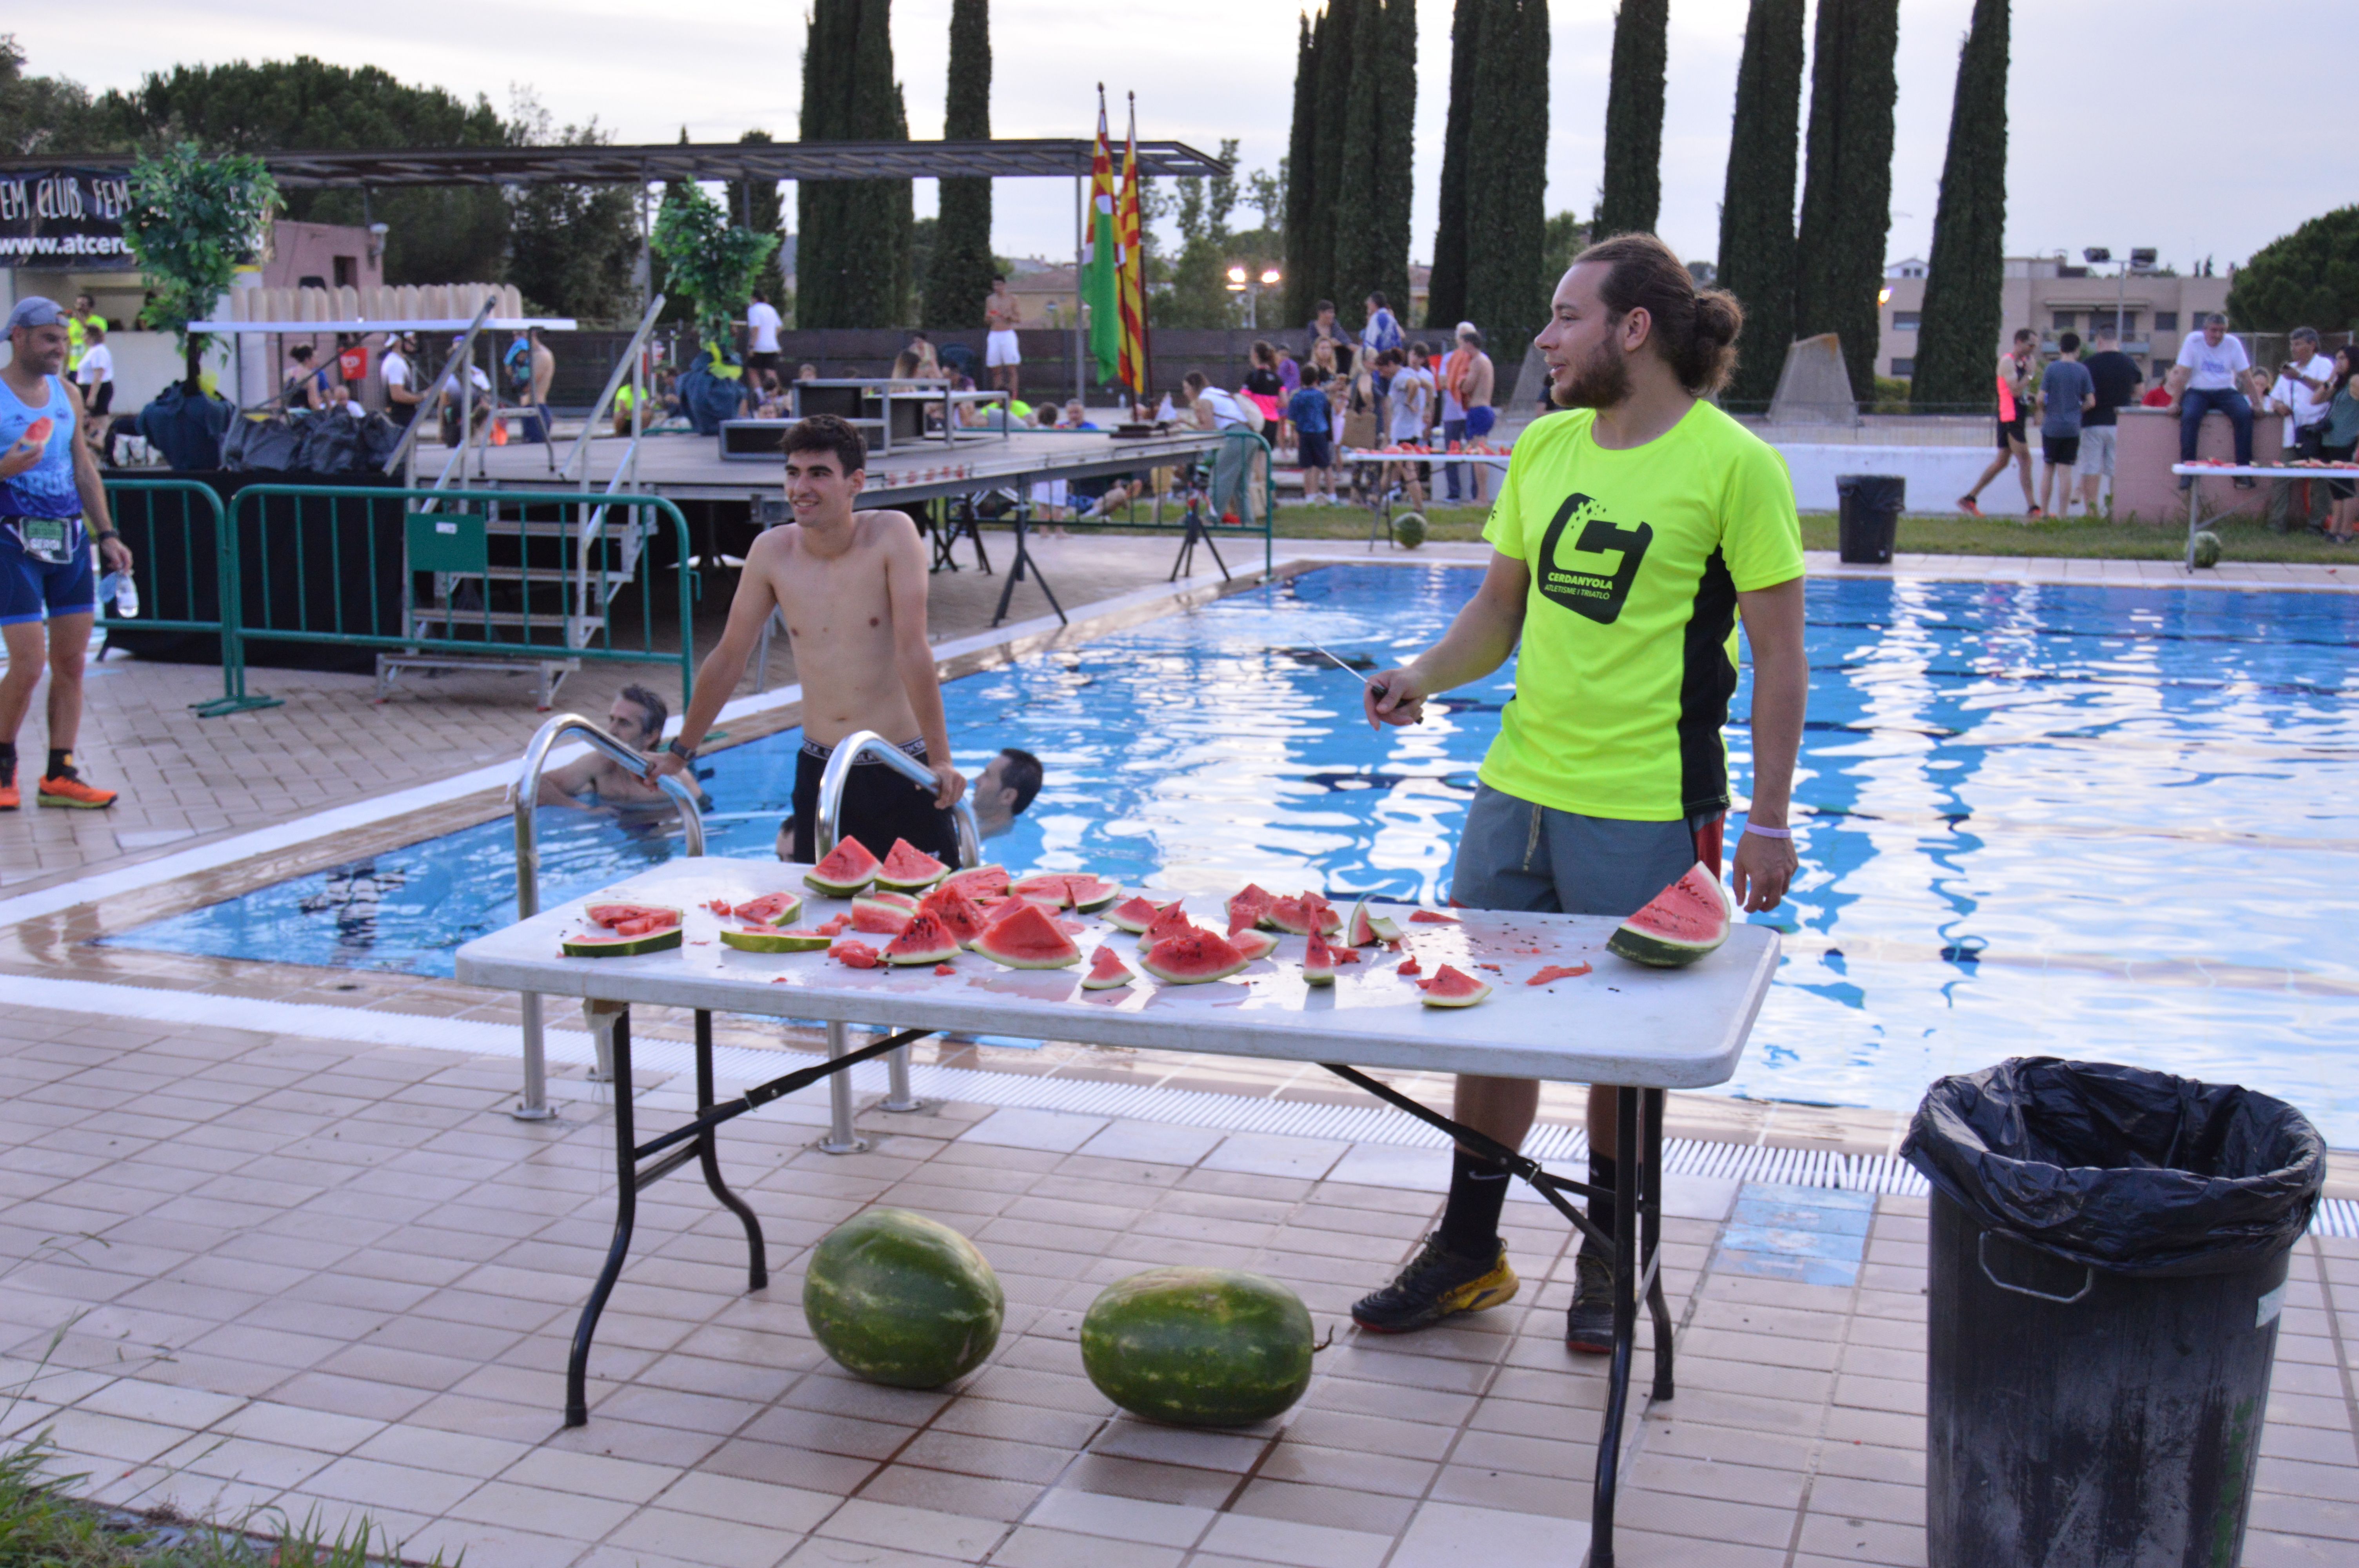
column 1098, row 288
column 1130, row 260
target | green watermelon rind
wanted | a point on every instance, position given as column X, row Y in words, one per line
column 772, row 941
column 1255, row 943
column 902, row 1299
column 905, row 884
column 1658, row 951
column 1197, row 1347
column 842, row 888
column 606, row 945
column 942, row 952
column 1009, row 959
column 783, row 918
column 1170, row 977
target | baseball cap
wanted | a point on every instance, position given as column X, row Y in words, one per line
column 36, row 311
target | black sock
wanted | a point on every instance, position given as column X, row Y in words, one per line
column 8, row 763
column 1478, row 1189
column 1601, row 1209
column 60, row 764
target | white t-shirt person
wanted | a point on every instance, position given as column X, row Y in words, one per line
column 763, row 317
column 1411, row 396
column 2213, row 368
column 2309, row 407
column 98, row 365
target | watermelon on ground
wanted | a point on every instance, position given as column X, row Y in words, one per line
column 1199, row 1347
column 1681, row 924
column 901, row 1299
column 847, row 869
column 906, row 868
column 1027, row 938
column 1193, row 958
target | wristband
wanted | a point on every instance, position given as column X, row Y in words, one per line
column 104, row 535
column 1760, row 832
column 685, row 753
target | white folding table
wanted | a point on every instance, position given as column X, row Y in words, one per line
column 2347, row 472
column 1643, row 1030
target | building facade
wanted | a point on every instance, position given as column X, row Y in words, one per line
column 2052, row 296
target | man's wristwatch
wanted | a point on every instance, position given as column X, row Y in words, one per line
column 685, row 753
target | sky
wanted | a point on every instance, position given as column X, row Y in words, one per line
column 2124, row 117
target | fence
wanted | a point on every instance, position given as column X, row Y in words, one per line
column 464, row 578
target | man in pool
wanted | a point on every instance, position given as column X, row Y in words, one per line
column 1629, row 537
column 598, row 783
column 852, row 589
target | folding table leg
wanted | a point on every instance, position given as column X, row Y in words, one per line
column 708, row 1153
column 626, row 1214
column 1626, row 1323
column 1650, row 1228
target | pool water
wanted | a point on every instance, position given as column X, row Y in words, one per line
column 2032, row 819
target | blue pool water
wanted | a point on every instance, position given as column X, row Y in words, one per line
column 2082, row 821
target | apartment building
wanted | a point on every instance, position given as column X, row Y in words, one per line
column 2053, row 296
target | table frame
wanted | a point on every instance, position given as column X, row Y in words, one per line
column 2248, row 471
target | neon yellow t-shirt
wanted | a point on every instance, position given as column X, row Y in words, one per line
column 1629, row 642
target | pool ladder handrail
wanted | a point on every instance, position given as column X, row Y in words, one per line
column 841, row 1139
column 525, row 796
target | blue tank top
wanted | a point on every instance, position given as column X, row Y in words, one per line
column 47, row 489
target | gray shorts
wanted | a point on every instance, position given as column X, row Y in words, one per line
column 2097, row 450
column 1515, row 855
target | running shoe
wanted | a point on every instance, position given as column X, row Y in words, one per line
column 9, row 797
column 1435, row 1285
column 1966, row 504
column 2034, row 515
column 66, row 789
column 1589, row 1322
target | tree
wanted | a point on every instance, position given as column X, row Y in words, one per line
column 1847, row 187
column 755, row 204
column 571, row 247
column 1507, row 282
column 191, row 221
column 1304, row 277
column 1564, row 237
column 454, row 233
column 958, row 277
column 1372, row 196
column 1445, row 296
column 1966, row 277
column 1634, row 120
column 45, row 115
column 1756, row 209
column 1199, row 292
column 714, row 263
column 2306, row 278
column 851, row 268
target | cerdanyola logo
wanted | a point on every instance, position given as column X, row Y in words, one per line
column 1598, row 587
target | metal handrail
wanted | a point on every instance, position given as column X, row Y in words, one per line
column 462, row 351
column 526, row 794
column 624, row 367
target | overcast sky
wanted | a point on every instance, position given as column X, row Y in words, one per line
column 2125, row 115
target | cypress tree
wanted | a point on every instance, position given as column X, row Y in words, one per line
column 1756, row 210
column 1965, row 276
column 1395, row 60
column 1302, row 281
column 960, row 277
column 1507, row 283
column 1357, row 247
column 857, row 272
column 1632, row 190
column 1847, row 187
column 1445, row 300
column 1335, row 38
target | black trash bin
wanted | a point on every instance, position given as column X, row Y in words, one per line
column 2107, row 1268
column 1869, row 506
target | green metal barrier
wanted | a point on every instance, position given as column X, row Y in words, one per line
column 466, row 578
column 179, row 523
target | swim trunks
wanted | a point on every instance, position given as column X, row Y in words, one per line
column 879, row 805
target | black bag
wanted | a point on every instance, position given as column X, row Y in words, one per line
column 2121, row 1168
column 380, row 436
column 331, row 445
column 272, row 444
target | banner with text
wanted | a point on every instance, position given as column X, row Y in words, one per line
column 64, row 220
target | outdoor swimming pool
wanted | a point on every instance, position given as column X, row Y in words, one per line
column 2079, row 821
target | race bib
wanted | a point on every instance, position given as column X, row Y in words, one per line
column 44, row 538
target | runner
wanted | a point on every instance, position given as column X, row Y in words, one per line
column 49, row 493
column 826, row 573
column 2015, row 392
column 1628, row 538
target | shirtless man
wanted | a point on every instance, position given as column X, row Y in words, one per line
column 598, row 783
column 851, row 587
column 1001, row 316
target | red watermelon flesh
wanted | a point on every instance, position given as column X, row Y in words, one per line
column 1026, row 939
column 855, row 954
column 979, row 882
column 1107, row 971
column 1409, row 966
column 1253, row 944
column 878, row 919
column 1683, row 922
column 1168, row 922
column 38, row 432
column 1086, row 892
column 907, row 867
column 1558, row 972
column 770, row 909
column 1249, row 905
column 1451, row 986
column 925, row 940
column 1317, row 961
column 1135, row 914
column 1433, row 917
column 1192, row 958
column 1303, row 915
column 848, row 867
column 646, row 916
column 1046, row 889
column 956, row 911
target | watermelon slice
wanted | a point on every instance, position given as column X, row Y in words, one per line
column 1249, row 905
column 906, row 868
column 1086, row 892
column 37, row 434
column 875, row 916
column 1549, row 972
column 1303, row 915
column 626, row 930
column 1253, row 944
column 956, row 911
column 1193, row 958
column 1432, row 917
column 979, row 882
column 1026, row 939
column 1319, row 961
column 1367, row 927
column 1136, row 913
column 1409, row 966
column 848, row 867
column 766, row 940
column 771, row 909
column 1107, row 971
column 925, row 940
column 1451, row 986
column 1170, row 921
column 1681, row 924
column 1048, row 889
column 855, row 954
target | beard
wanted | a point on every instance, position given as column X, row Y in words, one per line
column 1601, row 381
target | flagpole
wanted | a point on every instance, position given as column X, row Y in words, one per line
column 1138, row 254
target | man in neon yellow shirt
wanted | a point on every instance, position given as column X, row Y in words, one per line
column 1630, row 536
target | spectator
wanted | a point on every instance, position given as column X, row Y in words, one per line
column 2339, row 440
column 1409, row 397
column 1289, row 373
column 762, row 325
column 1467, row 382
column 1383, row 332
column 1324, row 352
column 1324, row 334
column 930, row 364
column 2211, row 375
column 810, row 372
column 1077, row 416
column 477, row 398
column 1262, row 385
column 2310, row 375
column 1212, row 409
column 531, row 369
column 301, row 386
column 2115, row 376
column 1005, row 788
column 84, row 312
column 1001, row 316
column 96, row 372
column 2066, row 393
column 2014, row 403
column 401, row 398
column 1313, row 420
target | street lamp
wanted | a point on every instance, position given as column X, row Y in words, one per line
column 1242, row 280
column 2141, row 260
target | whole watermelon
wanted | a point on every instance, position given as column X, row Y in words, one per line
column 1199, row 1347
column 2207, row 548
column 1408, row 530
column 901, row 1299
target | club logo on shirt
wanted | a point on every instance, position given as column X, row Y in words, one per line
column 1596, row 590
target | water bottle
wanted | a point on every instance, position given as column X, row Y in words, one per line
column 127, row 597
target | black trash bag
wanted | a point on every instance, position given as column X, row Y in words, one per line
column 380, row 438
column 331, row 445
column 270, row 444
column 2122, row 1169
column 186, row 429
